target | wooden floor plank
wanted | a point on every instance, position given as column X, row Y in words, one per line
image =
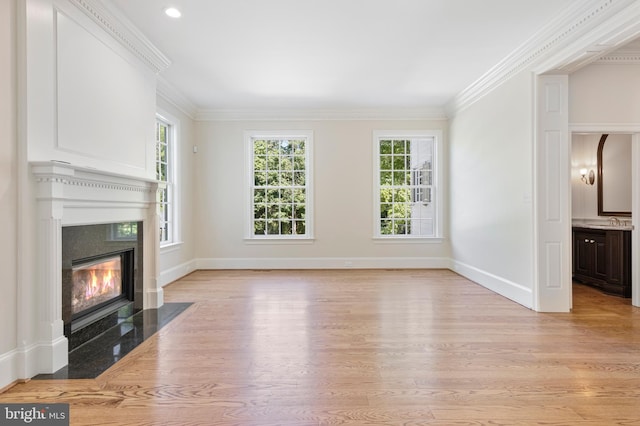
column 364, row 347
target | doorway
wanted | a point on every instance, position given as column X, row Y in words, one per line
column 552, row 177
column 602, row 203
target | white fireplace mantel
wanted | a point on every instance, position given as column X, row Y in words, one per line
column 69, row 195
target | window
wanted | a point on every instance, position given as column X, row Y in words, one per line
column 406, row 204
column 165, row 160
column 280, row 190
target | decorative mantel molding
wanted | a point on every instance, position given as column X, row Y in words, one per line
column 67, row 174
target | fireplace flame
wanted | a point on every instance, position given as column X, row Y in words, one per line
column 97, row 282
column 107, row 280
column 93, row 284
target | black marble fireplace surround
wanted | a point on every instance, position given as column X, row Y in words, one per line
column 84, row 242
column 102, row 337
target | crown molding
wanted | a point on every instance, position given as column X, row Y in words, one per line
column 172, row 95
column 175, row 97
column 620, row 58
column 122, row 30
column 436, row 114
column 602, row 40
column 554, row 42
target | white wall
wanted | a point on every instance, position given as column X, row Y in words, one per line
column 584, row 198
column 491, row 208
column 8, row 192
column 179, row 259
column 343, row 179
column 605, row 94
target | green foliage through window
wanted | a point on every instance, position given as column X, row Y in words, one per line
column 395, row 207
column 163, row 174
column 279, row 186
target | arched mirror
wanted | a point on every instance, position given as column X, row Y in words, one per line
column 614, row 175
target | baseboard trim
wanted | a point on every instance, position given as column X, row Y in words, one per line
column 499, row 285
column 52, row 355
column 9, row 376
column 10, row 385
column 22, row 364
column 173, row 274
column 154, row 299
column 325, row 263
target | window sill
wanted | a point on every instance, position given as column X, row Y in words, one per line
column 277, row 241
column 169, row 247
column 408, row 240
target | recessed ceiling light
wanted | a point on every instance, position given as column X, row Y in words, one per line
column 172, row 12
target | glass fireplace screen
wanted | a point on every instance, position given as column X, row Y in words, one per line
column 96, row 282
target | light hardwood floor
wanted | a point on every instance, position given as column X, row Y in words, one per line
column 370, row 347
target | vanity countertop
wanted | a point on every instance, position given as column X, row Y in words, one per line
column 604, row 225
column 611, row 227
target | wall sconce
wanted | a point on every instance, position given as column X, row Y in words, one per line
column 588, row 177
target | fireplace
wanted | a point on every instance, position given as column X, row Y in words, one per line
column 100, row 275
column 82, row 213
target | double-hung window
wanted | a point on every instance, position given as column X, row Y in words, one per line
column 280, row 199
column 407, row 174
column 165, row 167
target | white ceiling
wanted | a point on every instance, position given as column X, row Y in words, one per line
column 334, row 54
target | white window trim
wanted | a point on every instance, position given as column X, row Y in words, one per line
column 438, row 184
column 174, row 164
column 249, row 135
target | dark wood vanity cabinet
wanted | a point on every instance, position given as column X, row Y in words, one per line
column 602, row 258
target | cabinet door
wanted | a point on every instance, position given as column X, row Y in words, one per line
column 603, row 259
column 600, row 257
column 581, row 254
column 615, row 257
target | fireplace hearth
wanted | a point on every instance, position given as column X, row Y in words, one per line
column 101, row 273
